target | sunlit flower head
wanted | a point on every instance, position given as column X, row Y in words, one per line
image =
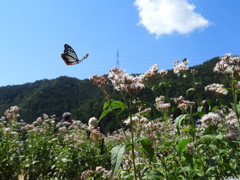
column 100, row 81
column 180, row 68
column 163, row 73
column 93, row 123
column 210, row 119
column 151, row 72
column 125, row 82
column 216, row 88
column 228, row 64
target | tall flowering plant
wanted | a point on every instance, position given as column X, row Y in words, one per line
column 128, row 86
column 229, row 66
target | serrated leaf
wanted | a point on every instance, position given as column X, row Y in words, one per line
column 116, row 158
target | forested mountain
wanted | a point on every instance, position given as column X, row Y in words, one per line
column 52, row 97
column 84, row 100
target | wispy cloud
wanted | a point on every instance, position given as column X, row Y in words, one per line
column 168, row 16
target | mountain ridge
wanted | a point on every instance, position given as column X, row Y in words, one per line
column 81, row 97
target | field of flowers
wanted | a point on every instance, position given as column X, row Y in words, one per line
column 202, row 142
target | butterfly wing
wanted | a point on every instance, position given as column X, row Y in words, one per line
column 70, row 57
column 69, row 50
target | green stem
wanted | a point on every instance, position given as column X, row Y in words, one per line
column 133, row 149
column 129, row 107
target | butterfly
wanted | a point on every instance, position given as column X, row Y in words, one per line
column 70, row 57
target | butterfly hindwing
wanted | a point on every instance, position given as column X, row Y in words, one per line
column 69, row 60
column 84, row 57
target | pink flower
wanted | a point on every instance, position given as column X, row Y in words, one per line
column 100, row 81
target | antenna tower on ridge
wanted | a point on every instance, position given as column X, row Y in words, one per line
column 117, row 59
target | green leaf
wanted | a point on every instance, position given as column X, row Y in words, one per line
column 183, row 144
column 189, row 159
column 220, row 137
column 209, row 103
column 147, row 146
column 107, row 104
column 104, row 113
column 178, row 121
column 236, row 108
column 118, row 104
column 212, row 146
column 210, row 137
column 190, row 89
column 215, row 107
column 116, row 158
column 198, row 83
column 200, row 108
column 154, row 175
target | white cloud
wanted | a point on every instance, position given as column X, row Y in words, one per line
column 168, row 16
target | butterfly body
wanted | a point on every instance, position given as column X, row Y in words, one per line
column 70, row 57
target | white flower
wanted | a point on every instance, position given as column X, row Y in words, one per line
column 216, row 88
column 210, row 119
column 92, row 123
column 180, row 68
column 125, row 82
column 163, row 73
column 228, row 64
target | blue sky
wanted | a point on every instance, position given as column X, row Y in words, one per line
column 145, row 32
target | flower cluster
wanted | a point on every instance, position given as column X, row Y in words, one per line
column 160, row 104
column 210, row 119
column 180, row 68
column 135, row 120
column 233, row 127
column 163, row 73
column 237, row 86
column 228, row 64
column 122, row 81
column 99, row 172
column 183, row 104
column 151, row 72
column 99, row 81
column 12, row 112
column 216, row 88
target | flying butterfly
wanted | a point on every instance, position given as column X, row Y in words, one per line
column 70, row 57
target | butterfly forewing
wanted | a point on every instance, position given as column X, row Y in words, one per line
column 69, row 50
